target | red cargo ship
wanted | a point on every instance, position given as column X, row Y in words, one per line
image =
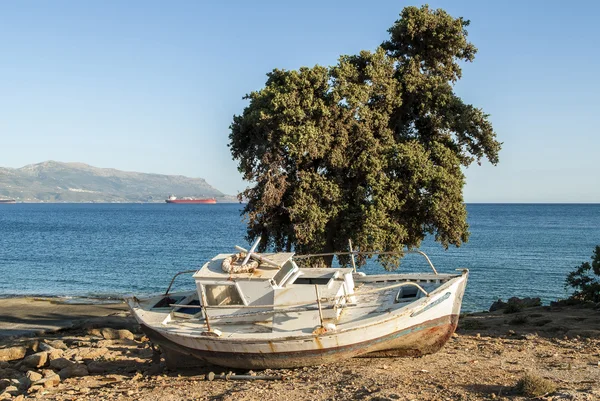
column 173, row 199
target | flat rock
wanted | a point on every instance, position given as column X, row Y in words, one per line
column 125, row 341
column 583, row 333
column 35, row 388
column 95, row 367
column 48, row 382
column 45, row 347
column 86, row 352
column 61, row 363
column 113, row 334
column 12, row 353
column 76, row 370
column 58, row 344
column 34, row 376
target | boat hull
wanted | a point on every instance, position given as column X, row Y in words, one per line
column 415, row 341
column 418, row 329
column 192, row 201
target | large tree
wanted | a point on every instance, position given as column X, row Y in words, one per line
column 370, row 149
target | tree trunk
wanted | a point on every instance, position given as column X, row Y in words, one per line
column 329, row 243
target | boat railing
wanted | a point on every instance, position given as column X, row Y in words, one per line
column 174, row 277
column 288, row 307
column 357, row 253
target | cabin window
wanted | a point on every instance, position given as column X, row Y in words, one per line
column 217, row 294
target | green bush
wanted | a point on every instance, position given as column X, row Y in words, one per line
column 586, row 279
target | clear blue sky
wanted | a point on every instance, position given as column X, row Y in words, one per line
column 152, row 86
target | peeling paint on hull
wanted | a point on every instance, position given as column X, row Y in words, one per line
column 418, row 340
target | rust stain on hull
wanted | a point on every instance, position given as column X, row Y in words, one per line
column 414, row 341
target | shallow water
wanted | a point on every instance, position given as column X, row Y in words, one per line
column 108, row 250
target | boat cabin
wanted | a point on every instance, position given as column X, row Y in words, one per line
column 276, row 285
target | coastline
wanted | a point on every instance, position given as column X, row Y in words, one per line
column 29, row 316
column 483, row 360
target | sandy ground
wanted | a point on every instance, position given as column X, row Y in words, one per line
column 484, row 360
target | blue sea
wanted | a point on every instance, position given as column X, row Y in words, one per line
column 108, row 250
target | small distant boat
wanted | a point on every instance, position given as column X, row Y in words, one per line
column 7, row 201
column 174, row 199
column 265, row 312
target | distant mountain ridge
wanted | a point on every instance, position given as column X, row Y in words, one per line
column 53, row 181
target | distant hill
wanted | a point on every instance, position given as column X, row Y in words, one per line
column 53, row 181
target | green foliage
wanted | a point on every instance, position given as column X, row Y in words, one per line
column 370, row 149
column 586, row 279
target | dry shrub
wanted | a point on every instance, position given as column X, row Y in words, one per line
column 531, row 385
column 471, row 324
column 519, row 319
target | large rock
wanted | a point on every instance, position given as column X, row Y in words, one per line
column 4, row 383
column 22, row 382
column 55, row 354
column 9, row 373
column 48, row 382
column 33, row 345
column 515, row 304
column 12, row 390
column 36, row 360
column 76, row 370
column 12, row 353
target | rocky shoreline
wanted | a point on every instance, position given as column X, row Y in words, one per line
column 99, row 354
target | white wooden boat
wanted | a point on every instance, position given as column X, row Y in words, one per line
column 278, row 315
